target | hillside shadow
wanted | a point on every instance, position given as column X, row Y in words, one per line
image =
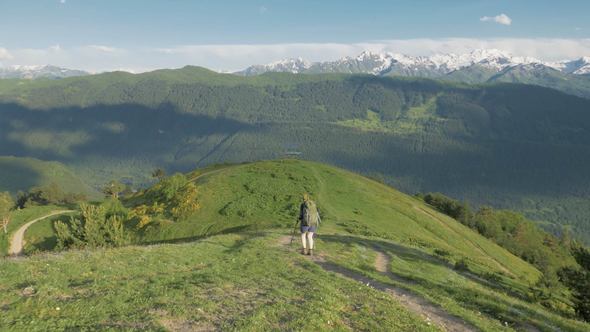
column 109, row 131
column 16, row 175
column 478, row 169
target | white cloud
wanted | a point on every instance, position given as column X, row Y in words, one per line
column 4, row 54
column 103, row 48
column 62, row 2
column 233, row 57
column 500, row 19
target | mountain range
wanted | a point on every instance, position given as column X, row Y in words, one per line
column 36, row 72
column 478, row 67
column 423, row 66
column 437, row 65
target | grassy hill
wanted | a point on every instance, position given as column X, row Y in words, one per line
column 20, row 174
column 508, row 145
column 229, row 265
column 266, row 195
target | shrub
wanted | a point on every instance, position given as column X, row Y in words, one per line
column 453, row 208
column 174, row 196
column 461, row 265
column 441, row 252
column 94, row 229
column 578, row 280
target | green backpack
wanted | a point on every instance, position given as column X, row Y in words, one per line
column 311, row 217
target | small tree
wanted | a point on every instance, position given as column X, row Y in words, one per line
column 94, row 229
column 176, row 194
column 113, row 189
column 6, row 205
column 185, row 201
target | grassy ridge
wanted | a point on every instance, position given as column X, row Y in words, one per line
column 247, row 280
column 265, row 195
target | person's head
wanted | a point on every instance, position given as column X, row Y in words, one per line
column 305, row 197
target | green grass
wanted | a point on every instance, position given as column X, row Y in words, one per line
column 415, row 120
column 245, row 280
column 230, row 282
column 266, row 195
column 488, row 303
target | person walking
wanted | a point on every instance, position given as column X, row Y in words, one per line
column 309, row 218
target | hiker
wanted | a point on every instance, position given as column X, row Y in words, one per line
column 309, row 218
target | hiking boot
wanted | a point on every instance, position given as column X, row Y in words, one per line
column 310, row 252
column 304, row 251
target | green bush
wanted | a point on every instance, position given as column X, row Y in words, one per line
column 93, row 229
column 462, row 265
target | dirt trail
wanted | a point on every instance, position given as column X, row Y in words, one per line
column 430, row 312
column 17, row 242
column 208, row 173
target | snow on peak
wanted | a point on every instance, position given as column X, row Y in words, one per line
column 294, row 65
column 579, row 66
column 297, row 62
column 38, row 71
column 435, row 64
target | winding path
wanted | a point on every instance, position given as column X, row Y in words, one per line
column 430, row 312
column 17, row 242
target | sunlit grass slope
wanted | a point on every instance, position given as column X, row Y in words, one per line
column 249, row 279
column 224, row 283
column 265, row 195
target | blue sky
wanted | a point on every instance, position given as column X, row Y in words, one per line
column 227, row 35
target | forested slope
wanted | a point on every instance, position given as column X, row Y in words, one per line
column 508, row 145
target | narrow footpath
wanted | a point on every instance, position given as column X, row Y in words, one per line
column 413, row 302
column 17, row 241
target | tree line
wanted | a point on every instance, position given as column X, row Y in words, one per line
column 563, row 261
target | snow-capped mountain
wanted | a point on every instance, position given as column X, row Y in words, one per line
column 579, row 66
column 436, row 65
column 288, row 66
column 35, row 72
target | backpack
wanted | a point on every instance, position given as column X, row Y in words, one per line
column 310, row 215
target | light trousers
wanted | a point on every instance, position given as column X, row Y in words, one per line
column 307, row 240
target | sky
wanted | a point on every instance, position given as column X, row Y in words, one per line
column 226, row 35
